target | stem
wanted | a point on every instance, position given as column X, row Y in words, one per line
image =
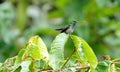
column 46, row 70
column 116, row 62
column 118, row 59
column 68, row 58
column 82, row 67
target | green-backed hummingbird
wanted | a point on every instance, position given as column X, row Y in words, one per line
column 68, row 29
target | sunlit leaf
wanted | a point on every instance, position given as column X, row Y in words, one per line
column 85, row 52
column 112, row 68
column 41, row 64
column 0, row 66
column 79, row 50
column 8, row 65
column 25, row 66
column 57, row 51
column 90, row 55
column 18, row 69
column 102, row 66
column 36, row 49
column 117, row 69
column 19, row 56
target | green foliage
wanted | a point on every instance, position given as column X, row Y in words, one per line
column 34, row 57
column 98, row 23
column 27, row 57
column 36, row 49
column 103, row 66
column 86, row 54
column 57, row 51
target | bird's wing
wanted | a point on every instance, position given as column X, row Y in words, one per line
column 63, row 29
column 59, row 29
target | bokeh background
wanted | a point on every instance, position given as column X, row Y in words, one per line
column 98, row 23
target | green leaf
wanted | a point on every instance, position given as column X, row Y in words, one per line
column 0, row 66
column 85, row 52
column 8, row 65
column 117, row 69
column 57, row 51
column 19, row 56
column 90, row 55
column 18, row 69
column 41, row 64
column 25, row 66
column 112, row 68
column 103, row 66
column 79, row 50
column 36, row 49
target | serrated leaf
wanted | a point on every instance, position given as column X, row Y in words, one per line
column 36, row 49
column 85, row 52
column 57, row 51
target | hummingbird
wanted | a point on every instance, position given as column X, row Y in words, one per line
column 68, row 29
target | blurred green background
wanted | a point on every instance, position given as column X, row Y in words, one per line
column 98, row 23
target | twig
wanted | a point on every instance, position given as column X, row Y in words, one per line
column 116, row 62
column 118, row 59
column 68, row 58
column 46, row 70
column 82, row 67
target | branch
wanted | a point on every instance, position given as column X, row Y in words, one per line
column 68, row 59
column 82, row 67
column 118, row 59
